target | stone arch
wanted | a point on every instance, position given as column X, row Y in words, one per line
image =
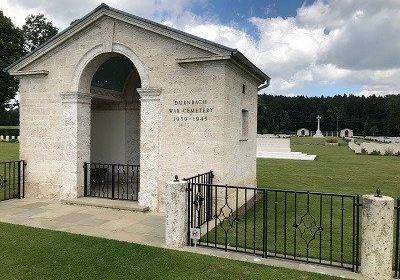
column 93, row 58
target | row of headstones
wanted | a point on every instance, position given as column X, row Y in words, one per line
column 8, row 138
column 375, row 148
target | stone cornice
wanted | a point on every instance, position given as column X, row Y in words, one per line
column 37, row 73
column 76, row 97
column 202, row 59
column 149, row 93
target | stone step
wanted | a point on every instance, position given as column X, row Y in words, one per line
column 291, row 155
column 107, row 203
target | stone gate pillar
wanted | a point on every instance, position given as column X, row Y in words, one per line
column 150, row 118
column 377, row 237
column 76, row 142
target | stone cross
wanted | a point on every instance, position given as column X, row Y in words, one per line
column 319, row 119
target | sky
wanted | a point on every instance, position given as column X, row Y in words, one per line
column 307, row 47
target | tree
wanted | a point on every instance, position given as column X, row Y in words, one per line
column 36, row 31
column 11, row 48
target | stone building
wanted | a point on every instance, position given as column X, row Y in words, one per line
column 303, row 132
column 346, row 133
column 116, row 88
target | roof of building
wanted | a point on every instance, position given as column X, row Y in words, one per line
column 104, row 9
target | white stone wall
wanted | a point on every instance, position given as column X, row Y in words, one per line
column 185, row 147
column 273, row 145
column 240, row 151
column 374, row 147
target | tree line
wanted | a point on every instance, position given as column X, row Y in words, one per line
column 14, row 43
column 365, row 115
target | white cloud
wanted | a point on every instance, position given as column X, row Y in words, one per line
column 346, row 41
column 63, row 12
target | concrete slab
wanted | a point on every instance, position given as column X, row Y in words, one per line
column 108, row 203
column 124, row 225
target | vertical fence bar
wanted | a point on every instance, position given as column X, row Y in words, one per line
column 113, row 181
column 266, row 223
column 353, row 234
column 23, row 178
column 13, row 166
column 85, row 186
column 189, row 214
column 295, row 228
column 245, row 220
column 4, row 181
column 397, row 240
column 357, row 232
column 263, row 224
column 237, row 219
column 320, row 226
column 19, row 179
column 285, row 228
column 275, row 221
column 254, row 220
column 331, row 230
column 342, row 233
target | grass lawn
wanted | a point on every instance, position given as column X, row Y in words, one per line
column 9, row 151
column 9, row 126
column 336, row 169
column 29, row 253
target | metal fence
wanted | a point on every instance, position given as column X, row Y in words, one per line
column 205, row 212
column 12, row 183
column 397, row 240
column 311, row 227
column 113, row 181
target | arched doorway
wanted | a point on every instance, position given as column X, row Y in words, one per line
column 303, row 132
column 113, row 171
column 109, row 111
column 115, row 112
column 346, row 133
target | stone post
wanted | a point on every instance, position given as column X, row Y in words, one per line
column 176, row 213
column 377, row 237
column 76, row 137
column 149, row 146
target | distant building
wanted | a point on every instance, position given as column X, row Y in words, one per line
column 346, row 132
column 303, row 132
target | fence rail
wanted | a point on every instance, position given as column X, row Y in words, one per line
column 310, row 227
column 12, row 183
column 113, row 181
column 397, row 240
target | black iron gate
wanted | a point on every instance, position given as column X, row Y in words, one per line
column 113, row 181
column 12, row 179
column 311, row 227
column 205, row 195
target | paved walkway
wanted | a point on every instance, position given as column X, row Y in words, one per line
column 143, row 228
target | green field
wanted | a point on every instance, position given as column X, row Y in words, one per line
column 9, row 127
column 336, row 169
column 30, row 253
column 9, row 151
